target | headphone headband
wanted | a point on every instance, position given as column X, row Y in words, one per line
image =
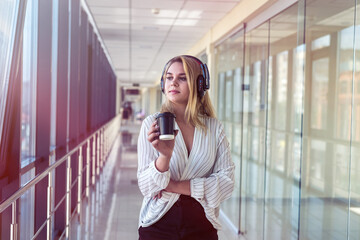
column 203, row 80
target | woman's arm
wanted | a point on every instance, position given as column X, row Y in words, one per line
column 153, row 159
column 219, row 185
column 181, row 187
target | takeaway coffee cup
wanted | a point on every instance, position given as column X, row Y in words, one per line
column 166, row 123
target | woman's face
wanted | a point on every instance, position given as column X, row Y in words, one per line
column 176, row 86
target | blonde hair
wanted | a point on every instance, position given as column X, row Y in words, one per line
column 197, row 107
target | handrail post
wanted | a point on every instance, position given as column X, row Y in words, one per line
column 49, row 207
column 88, row 169
column 98, row 154
column 102, row 148
column 94, row 160
column 13, row 226
column 105, row 143
column 80, row 166
column 68, row 197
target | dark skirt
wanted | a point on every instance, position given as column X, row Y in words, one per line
column 185, row 220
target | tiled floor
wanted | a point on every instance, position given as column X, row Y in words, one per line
column 113, row 208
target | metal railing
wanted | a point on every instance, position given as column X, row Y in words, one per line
column 102, row 141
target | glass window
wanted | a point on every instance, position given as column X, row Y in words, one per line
column 298, row 89
column 321, row 42
column 281, row 90
column 228, row 95
column 327, row 120
column 280, row 211
column 221, row 96
column 319, row 93
column 54, row 64
column 237, row 95
column 229, row 67
column 254, row 132
column 355, row 137
column 27, row 210
column 8, row 14
column 29, row 83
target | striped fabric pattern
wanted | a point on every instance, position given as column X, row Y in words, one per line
column 209, row 168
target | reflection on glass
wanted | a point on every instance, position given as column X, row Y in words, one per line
column 29, row 83
column 344, row 84
column 54, row 63
column 281, row 89
column 324, row 211
column 355, row 139
column 253, row 157
column 300, row 117
column 228, row 96
column 229, row 61
column 221, row 97
column 319, row 93
column 321, row 42
column 7, row 26
column 236, row 147
column 27, row 201
column 318, row 166
column 237, row 95
column 298, row 90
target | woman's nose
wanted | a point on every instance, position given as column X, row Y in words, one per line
column 175, row 82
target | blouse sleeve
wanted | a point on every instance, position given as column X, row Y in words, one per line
column 150, row 180
column 219, row 185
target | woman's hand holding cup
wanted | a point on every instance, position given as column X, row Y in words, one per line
column 164, row 147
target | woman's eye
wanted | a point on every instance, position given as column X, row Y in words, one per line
column 183, row 79
column 169, row 78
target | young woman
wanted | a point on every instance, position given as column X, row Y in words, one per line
column 184, row 180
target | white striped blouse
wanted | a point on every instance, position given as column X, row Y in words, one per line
column 209, row 168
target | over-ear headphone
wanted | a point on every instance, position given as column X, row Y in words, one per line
column 203, row 80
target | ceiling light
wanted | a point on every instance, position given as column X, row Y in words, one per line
column 155, row 11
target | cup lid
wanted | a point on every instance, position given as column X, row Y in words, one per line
column 166, row 114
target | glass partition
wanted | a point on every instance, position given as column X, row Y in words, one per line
column 28, row 116
column 291, row 111
column 283, row 128
column 327, row 120
column 229, row 59
column 354, row 88
column 254, row 131
column 8, row 15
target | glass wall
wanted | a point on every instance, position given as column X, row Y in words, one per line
column 293, row 122
column 8, row 16
column 230, row 75
column 325, row 177
column 354, row 87
column 28, row 116
column 254, row 131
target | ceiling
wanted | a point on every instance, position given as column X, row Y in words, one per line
column 142, row 35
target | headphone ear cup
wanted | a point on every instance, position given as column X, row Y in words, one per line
column 162, row 84
column 200, row 86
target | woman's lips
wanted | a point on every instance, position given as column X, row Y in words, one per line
column 173, row 91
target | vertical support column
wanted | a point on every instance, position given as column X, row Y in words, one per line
column 13, row 226
column 94, row 160
column 49, row 205
column 80, row 169
column 68, row 196
column 88, row 169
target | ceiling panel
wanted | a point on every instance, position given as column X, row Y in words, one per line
column 116, row 11
column 210, row 6
column 162, row 4
column 108, row 3
column 154, row 30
